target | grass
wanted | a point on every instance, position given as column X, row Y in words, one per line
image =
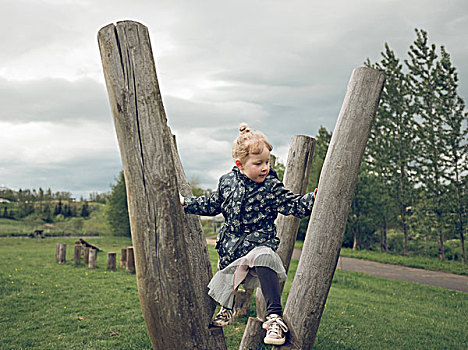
column 45, row 305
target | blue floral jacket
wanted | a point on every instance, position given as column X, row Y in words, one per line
column 250, row 210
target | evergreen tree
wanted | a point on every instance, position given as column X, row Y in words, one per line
column 432, row 163
column 452, row 108
column 117, row 208
column 84, row 210
column 58, row 208
column 390, row 152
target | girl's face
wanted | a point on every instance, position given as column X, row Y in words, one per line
column 256, row 166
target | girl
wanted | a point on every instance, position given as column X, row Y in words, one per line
column 250, row 197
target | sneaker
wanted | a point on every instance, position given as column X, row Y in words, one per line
column 223, row 317
column 276, row 329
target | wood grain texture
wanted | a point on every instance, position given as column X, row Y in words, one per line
column 324, row 237
column 171, row 258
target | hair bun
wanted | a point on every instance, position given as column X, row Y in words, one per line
column 243, row 128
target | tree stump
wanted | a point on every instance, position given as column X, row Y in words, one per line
column 324, row 237
column 111, row 261
column 77, row 254
column 86, row 255
column 92, row 258
column 123, row 258
column 130, row 260
column 62, row 253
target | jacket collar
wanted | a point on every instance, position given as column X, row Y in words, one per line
column 246, row 180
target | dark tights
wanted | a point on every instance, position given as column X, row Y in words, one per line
column 270, row 289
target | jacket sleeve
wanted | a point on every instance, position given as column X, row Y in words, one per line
column 288, row 203
column 204, row 205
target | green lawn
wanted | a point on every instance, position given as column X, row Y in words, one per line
column 44, row 305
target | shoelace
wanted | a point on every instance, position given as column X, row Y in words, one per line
column 274, row 325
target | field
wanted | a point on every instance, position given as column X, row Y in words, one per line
column 45, row 305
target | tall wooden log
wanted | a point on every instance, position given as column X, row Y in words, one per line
column 130, row 263
column 62, row 253
column 77, row 254
column 172, row 262
column 111, row 261
column 296, row 177
column 324, row 237
column 92, row 264
column 123, row 258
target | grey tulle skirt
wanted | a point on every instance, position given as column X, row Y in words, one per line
column 226, row 281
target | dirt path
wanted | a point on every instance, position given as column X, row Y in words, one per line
column 402, row 273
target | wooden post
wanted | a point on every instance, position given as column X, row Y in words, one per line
column 86, row 256
column 57, row 247
column 92, row 258
column 62, row 253
column 130, row 263
column 324, row 237
column 170, row 249
column 111, row 261
column 123, row 258
column 296, row 177
column 77, row 254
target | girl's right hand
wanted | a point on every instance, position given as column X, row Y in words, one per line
column 181, row 199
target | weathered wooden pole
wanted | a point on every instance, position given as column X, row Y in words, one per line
column 296, row 177
column 324, row 236
column 62, row 253
column 111, row 261
column 172, row 262
column 123, row 258
column 86, row 256
column 77, row 254
column 57, row 247
column 130, row 263
column 92, row 264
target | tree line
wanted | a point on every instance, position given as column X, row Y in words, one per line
column 45, row 204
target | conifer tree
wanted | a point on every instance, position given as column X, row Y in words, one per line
column 389, row 152
column 432, row 163
column 452, row 109
column 117, row 208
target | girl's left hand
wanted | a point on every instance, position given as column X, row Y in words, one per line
column 315, row 193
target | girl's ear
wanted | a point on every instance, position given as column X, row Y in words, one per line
column 239, row 164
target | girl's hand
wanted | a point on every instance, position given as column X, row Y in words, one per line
column 315, row 193
column 181, row 199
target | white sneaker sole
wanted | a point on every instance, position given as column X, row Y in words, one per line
column 271, row 341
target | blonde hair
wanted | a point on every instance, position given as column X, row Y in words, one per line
column 249, row 142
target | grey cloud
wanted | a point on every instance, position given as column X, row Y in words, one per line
column 56, row 100
column 80, row 176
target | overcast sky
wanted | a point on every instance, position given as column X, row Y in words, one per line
column 280, row 66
